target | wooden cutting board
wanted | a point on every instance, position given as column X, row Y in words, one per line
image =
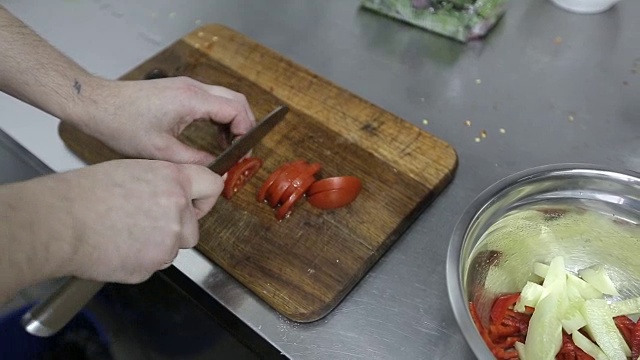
column 304, row 265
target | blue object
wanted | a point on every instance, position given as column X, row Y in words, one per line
column 82, row 338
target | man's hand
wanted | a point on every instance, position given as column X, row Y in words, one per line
column 137, row 118
column 118, row 221
column 143, row 118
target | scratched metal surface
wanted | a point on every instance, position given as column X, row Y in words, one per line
column 561, row 87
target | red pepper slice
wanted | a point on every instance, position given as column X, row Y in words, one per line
column 497, row 332
column 625, row 325
column 635, row 342
column 501, row 305
column 476, row 320
column 239, row 175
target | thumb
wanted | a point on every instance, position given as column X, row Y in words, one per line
column 204, row 187
column 181, row 153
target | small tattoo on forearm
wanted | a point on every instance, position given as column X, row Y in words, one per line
column 77, row 86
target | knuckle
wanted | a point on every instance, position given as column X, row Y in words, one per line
column 161, row 149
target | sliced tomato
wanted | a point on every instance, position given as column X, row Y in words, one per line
column 285, row 209
column 239, row 175
column 350, row 183
column 300, row 187
column 302, row 179
column 282, row 182
column 262, row 193
column 331, row 199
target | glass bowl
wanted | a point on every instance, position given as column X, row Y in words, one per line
column 586, row 213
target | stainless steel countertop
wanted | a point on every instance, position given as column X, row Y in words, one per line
column 562, row 86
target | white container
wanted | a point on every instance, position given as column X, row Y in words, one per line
column 585, row 6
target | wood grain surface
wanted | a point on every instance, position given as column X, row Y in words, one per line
column 304, row 265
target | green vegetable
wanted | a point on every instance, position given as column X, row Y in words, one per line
column 597, row 276
column 529, row 296
column 520, row 348
column 462, row 20
column 625, row 307
column 544, row 336
column 587, row 346
column 572, row 320
column 602, row 329
column 587, row 291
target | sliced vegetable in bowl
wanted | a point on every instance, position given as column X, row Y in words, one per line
column 553, row 320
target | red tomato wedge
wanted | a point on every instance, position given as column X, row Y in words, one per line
column 239, row 175
column 349, row 183
column 307, row 176
column 298, row 194
column 282, row 182
column 331, row 199
column 262, row 193
column 296, row 190
column 335, row 192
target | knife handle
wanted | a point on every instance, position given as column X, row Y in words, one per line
column 48, row 317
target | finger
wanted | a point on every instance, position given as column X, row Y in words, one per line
column 178, row 152
column 190, row 232
column 203, row 186
column 171, row 259
column 227, row 111
column 246, row 119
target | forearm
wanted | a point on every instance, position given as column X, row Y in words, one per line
column 35, row 72
column 35, row 236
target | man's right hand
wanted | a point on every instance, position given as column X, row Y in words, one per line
column 118, row 221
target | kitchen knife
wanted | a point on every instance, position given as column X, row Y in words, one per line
column 48, row 317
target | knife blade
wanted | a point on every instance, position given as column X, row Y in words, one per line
column 241, row 146
column 48, row 317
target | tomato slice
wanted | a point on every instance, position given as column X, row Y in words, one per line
column 262, row 193
column 286, row 208
column 282, row 182
column 239, row 175
column 300, row 180
column 349, row 183
column 331, row 199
